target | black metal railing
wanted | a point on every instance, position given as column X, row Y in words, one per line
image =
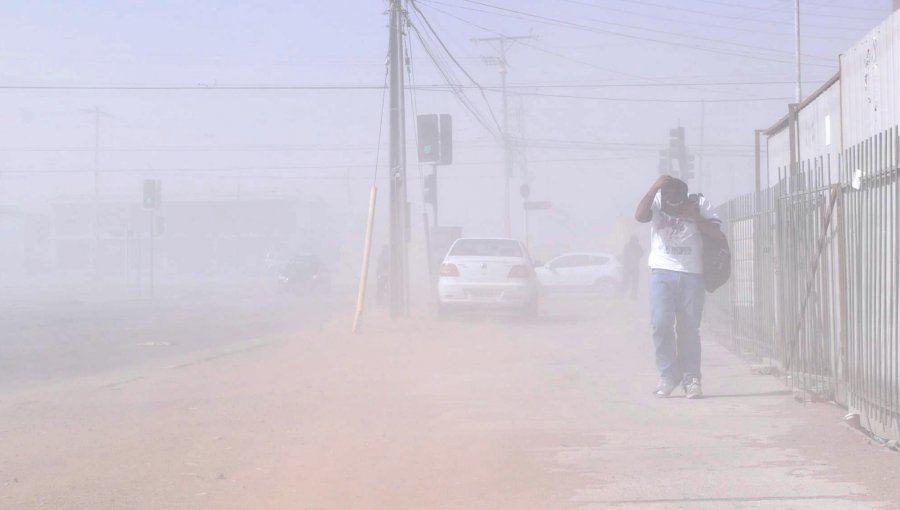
column 816, row 279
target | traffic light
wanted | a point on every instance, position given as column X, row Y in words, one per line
column 665, row 163
column 435, row 137
column 687, row 172
column 152, row 193
column 676, row 142
column 429, row 137
column 430, row 186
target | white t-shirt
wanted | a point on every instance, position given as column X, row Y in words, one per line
column 675, row 242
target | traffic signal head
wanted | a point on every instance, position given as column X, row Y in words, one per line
column 688, row 170
column 525, row 191
column 676, row 142
column 152, row 193
column 430, row 189
column 429, row 137
column 664, row 162
column 435, row 138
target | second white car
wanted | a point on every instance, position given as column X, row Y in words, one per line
column 596, row 272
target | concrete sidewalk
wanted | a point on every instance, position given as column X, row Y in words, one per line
column 413, row 414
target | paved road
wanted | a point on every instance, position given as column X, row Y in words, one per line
column 58, row 336
column 467, row 414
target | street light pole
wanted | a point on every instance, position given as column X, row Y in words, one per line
column 504, row 43
column 96, row 250
column 799, row 92
column 507, row 149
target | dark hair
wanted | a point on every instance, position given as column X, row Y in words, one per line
column 676, row 186
column 673, row 194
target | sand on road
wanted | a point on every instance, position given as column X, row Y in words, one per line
column 418, row 414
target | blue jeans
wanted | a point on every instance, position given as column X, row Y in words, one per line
column 676, row 306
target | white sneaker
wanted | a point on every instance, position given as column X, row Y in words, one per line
column 664, row 388
column 692, row 388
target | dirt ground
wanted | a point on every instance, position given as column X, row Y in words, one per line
column 472, row 413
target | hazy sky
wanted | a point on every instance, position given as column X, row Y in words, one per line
column 609, row 78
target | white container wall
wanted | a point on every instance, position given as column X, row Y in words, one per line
column 819, row 131
column 779, row 157
column 870, row 73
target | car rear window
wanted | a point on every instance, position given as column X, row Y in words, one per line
column 486, row 248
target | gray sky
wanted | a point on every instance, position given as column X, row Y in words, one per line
column 606, row 80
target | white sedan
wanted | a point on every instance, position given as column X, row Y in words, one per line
column 488, row 273
column 598, row 272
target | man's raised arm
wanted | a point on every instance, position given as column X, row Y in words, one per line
column 644, row 212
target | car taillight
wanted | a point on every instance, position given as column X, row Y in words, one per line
column 521, row 271
column 449, row 270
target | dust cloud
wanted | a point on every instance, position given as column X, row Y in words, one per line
column 184, row 198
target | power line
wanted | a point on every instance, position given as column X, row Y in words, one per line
column 553, row 53
column 650, row 100
column 695, row 23
column 455, row 89
column 204, row 172
column 381, row 119
column 449, row 54
column 769, row 9
column 738, row 18
column 705, row 39
column 853, row 7
column 191, row 87
column 517, row 14
column 690, row 36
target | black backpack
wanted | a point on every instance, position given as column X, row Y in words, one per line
column 716, row 261
column 716, row 257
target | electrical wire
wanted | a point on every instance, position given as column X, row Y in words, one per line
column 697, row 23
column 696, row 37
column 415, row 108
column 381, row 119
column 769, row 9
column 648, row 100
column 526, row 16
column 673, row 7
column 453, row 88
column 420, row 15
column 560, row 55
column 189, row 87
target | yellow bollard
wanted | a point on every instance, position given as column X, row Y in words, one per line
column 367, row 251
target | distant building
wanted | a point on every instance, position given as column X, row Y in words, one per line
column 193, row 236
column 24, row 244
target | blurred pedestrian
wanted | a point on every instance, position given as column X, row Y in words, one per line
column 631, row 267
column 678, row 222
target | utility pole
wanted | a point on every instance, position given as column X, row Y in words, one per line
column 504, row 42
column 757, row 160
column 700, row 175
column 398, row 203
column 95, row 249
column 96, row 257
column 799, row 95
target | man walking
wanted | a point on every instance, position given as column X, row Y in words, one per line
column 677, row 222
column 631, row 267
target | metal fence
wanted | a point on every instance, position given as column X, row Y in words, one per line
column 814, row 287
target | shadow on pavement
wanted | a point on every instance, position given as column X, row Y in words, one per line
column 741, row 395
